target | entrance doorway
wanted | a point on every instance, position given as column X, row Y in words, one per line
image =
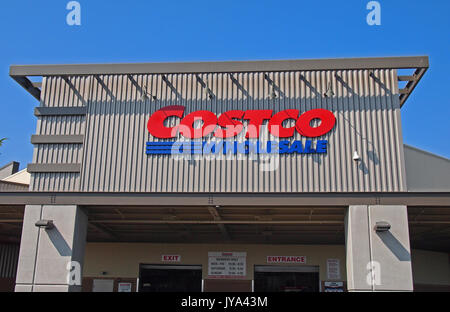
column 286, row 278
column 170, row 278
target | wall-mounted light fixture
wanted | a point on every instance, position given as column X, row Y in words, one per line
column 356, row 156
column 47, row 224
column 382, row 226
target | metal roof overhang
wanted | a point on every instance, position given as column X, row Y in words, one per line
column 20, row 73
column 226, row 199
column 428, row 226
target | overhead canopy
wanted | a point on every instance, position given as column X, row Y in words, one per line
column 428, row 226
column 420, row 64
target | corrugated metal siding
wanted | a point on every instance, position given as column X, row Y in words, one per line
column 60, row 92
column 9, row 257
column 6, row 186
column 365, row 104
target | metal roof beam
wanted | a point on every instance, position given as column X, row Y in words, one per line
column 28, row 85
column 407, row 78
column 288, row 200
column 100, row 228
column 278, row 222
column 213, row 211
column 221, row 67
column 410, row 86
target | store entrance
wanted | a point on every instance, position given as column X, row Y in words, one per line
column 286, row 279
column 170, row 278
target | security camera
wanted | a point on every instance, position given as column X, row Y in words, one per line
column 382, row 226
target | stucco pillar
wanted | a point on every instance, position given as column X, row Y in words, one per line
column 378, row 261
column 52, row 259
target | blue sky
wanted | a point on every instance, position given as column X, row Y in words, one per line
column 36, row 32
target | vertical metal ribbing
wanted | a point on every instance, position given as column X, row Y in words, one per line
column 2, row 260
column 394, row 154
column 382, row 130
column 9, row 257
column 400, row 164
column 354, row 141
column 388, row 131
column 140, row 137
column 364, row 166
column 134, row 160
column 101, row 98
column 137, row 136
column 114, row 156
column 64, row 93
column 127, row 135
column 376, row 122
column 348, row 162
column 295, row 98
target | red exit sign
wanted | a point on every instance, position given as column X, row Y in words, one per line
column 170, row 258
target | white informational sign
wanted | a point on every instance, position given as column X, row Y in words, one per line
column 333, row 269
column 286, row 259
column 170, row 258
column 124, row 287
column 334, row 287
column 227, row 264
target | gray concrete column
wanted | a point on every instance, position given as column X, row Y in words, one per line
column 378, row 261
column 52, row 259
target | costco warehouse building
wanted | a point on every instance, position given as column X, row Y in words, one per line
column 225, row 176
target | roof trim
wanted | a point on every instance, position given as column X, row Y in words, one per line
column 425, row 152
column 216, row 67
column 9, row 164
column 14, row 183
column 20, row 73
column 428, row 199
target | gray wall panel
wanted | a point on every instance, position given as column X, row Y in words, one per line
column 113, row 156
column 426, row 172
column 60, row 92
column 10, row 186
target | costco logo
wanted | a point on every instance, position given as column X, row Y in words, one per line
column 228, row 125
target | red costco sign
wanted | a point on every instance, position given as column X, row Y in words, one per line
column 229, row 124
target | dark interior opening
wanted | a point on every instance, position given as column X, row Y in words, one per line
column 286, row 281
column 170, row 278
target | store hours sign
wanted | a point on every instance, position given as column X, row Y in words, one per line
column 227, row 264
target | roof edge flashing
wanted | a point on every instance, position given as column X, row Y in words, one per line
column 221, row 66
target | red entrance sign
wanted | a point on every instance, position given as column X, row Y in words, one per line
column 229, row 124
column 286, row 259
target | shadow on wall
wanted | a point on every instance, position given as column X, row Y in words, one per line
column 59, row 242
column 373, row 157
column 394, row 246
column 362, row 166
